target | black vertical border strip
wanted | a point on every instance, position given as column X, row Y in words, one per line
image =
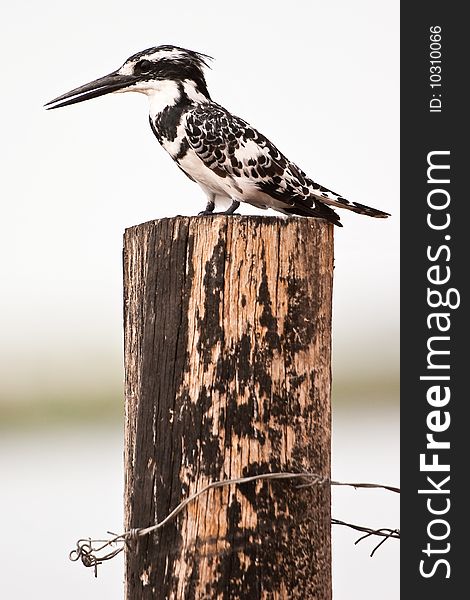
column 423, row 132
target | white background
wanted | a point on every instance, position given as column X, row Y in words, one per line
column 320, row 79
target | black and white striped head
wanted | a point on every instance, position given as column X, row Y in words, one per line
column 160, row 70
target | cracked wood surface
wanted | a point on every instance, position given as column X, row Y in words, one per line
column 227, row 360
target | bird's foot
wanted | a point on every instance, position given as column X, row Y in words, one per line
column 210, row 209
column 232, row 208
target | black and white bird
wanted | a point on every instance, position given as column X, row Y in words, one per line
column 229, row 159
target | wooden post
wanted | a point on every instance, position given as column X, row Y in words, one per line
column 227, row 360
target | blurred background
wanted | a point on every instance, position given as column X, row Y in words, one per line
column 321, row 81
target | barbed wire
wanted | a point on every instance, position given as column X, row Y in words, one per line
column 384, row 532
column 88, row 550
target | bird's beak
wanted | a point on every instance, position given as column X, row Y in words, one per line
column 104, row 85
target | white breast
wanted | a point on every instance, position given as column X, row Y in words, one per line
column 193, row 166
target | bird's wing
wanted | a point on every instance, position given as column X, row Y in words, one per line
column 230, row 147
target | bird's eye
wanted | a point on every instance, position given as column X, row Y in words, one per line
column 143, row 66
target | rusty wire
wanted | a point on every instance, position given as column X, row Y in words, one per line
column 88, row 550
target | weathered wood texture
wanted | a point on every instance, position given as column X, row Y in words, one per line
column 227, row 358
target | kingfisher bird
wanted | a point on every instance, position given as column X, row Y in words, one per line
column 227, row 157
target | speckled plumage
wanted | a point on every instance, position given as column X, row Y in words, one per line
column 228, row 158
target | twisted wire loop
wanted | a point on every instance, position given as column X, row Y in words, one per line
column 89, row 551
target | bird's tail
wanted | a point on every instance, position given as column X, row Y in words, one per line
column 328, row 197
column 362, row 209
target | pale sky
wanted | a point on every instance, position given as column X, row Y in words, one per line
column 320, row 79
